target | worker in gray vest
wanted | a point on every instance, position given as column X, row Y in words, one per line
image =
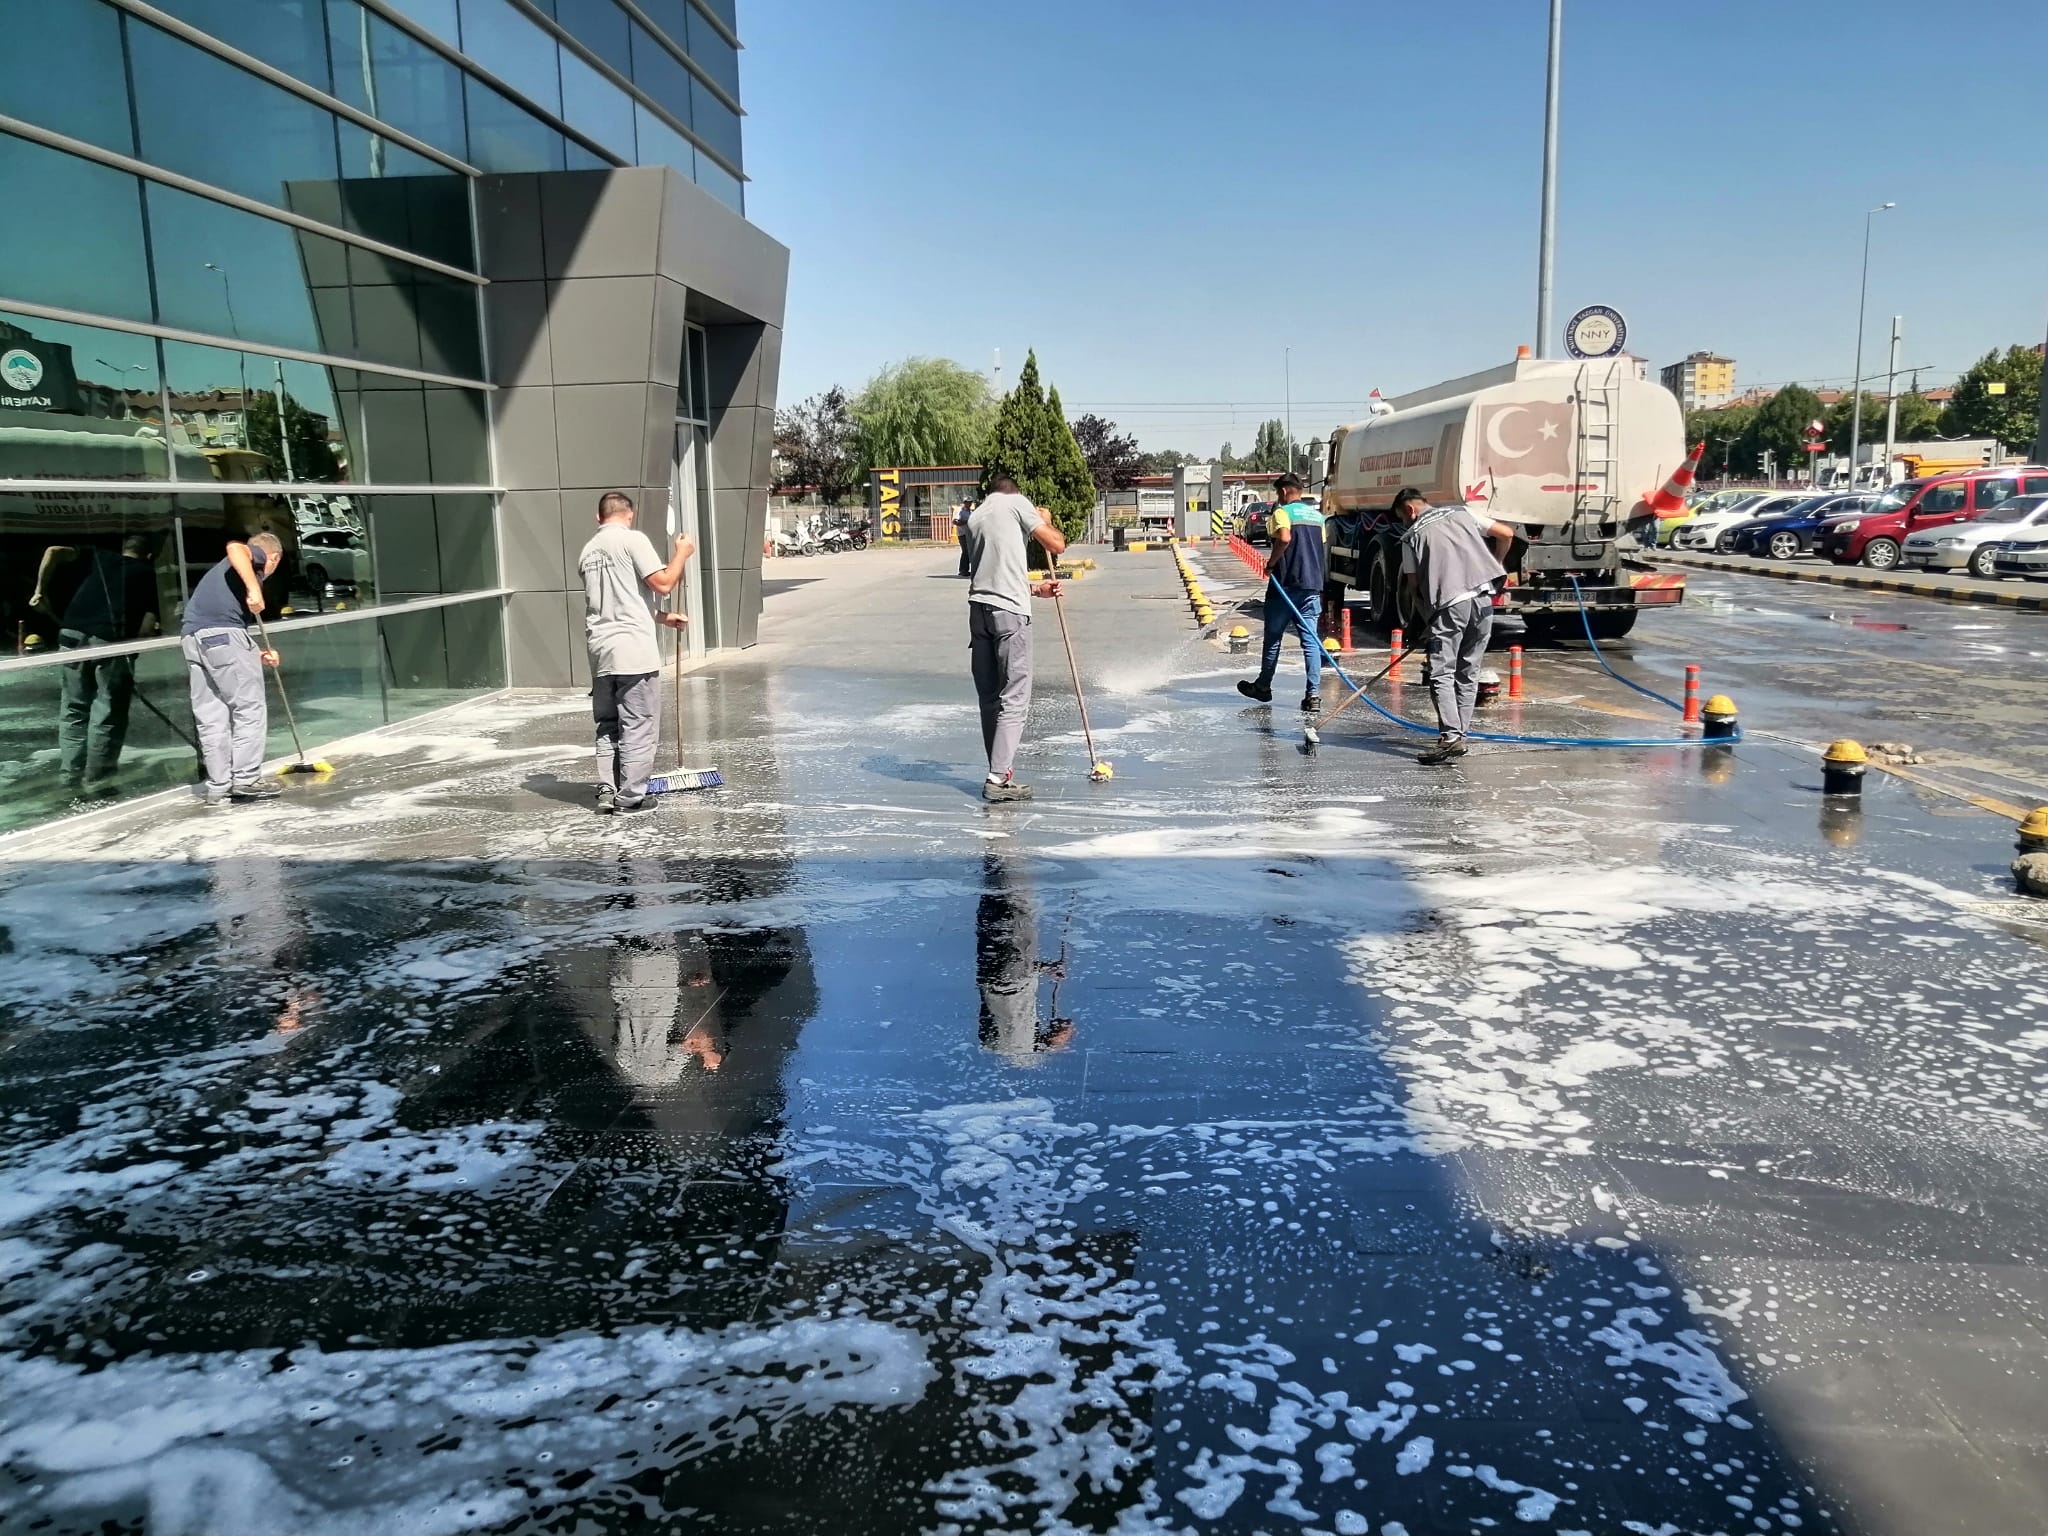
column 1451, row 566
column 1000, row 532
column 623, row 583
column 225, row 667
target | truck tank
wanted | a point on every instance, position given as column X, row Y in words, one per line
column 1565, row 452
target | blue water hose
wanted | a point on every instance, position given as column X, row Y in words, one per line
column 1535, row 741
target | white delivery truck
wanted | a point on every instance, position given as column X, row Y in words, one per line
column 1568, row 453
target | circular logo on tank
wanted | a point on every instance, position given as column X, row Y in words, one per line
column 22, row 369
column 1595, row 331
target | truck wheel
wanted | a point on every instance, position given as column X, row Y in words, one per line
column 1380, row 592
column 1881, row 554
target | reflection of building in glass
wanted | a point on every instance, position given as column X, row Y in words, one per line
column 299, row 231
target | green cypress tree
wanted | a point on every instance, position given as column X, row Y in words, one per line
column 1073, row 496
column 1016, row 443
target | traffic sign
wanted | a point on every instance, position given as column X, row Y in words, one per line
column 1816, row 447
column 1595, row 331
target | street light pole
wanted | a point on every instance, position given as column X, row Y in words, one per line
column 1287, row 385
column 242, row 416
column 1546, row 247
column 1856, row 379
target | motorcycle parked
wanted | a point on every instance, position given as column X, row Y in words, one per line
column 857, row 535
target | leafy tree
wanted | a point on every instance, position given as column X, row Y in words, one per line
column 312, row 455
column 923, row 410
column 1114, row 461
column 1919, row 417
column 1163, row 461
column 814, row 446
column 1016, row 442
column 1837, row 418
column 1779, row 429
column 1226, row 458
column 1721, row 430
column 1974, row 410
column 1074, row 486
column 1272, row 448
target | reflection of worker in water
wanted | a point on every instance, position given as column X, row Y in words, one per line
column 665, row 1017
column 261, row 927
column 114, row 600
column 1007, row 969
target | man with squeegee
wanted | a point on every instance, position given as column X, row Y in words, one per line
column 623, row 581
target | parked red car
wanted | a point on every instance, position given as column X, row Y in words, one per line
column 1873, row 538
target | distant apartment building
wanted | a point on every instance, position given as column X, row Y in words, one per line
column 1701, row 380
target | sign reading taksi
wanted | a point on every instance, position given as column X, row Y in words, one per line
column 1595, row 331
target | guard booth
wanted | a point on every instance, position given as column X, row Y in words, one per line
column 917, row 501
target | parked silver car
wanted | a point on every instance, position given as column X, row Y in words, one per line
column 1968, row 545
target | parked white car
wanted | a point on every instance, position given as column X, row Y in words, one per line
column 1967, row 545
column 334, row 557
column 1716, row 530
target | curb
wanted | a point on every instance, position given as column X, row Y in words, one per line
column 1905, row 586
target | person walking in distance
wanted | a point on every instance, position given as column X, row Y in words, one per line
column 999, row 593
column 1451, row 567
column 225, row 667
column 1300, row 562
column 623, row 583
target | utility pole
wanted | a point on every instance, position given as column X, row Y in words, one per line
column 1287, row 376
column 1856, row 383
column 1891, row 406
column 1546, row 249
column 2041, row 431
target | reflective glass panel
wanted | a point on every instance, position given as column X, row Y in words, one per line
column 718, row 58
column 601, row 27
column 579, row 158
column 286, row 34
column 597, row 108
column 239, row 275
column 660, row 144
column 661, row 75
column 396, row 78
column 208, row 388
column 504, row 136
column 508, row 43
column 716, row 123
column 672, row 17
column 407, row 317
column 222, row 125
column 427, row 546
column 67, row 43
column 441, row 656
column 388, row 193
column 435, row 16
column 83, row 733
column 721, row 184
column 723, row 10
column 97, row 261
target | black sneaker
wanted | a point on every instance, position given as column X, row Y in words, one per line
column 1311, row 703
column 1005, row 791
column 607, row 800
column 255, row 789
column 1442, row 752
column 1258, row 691
column 630, row 807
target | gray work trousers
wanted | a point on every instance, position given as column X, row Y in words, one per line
column 999, row 643
column 1457, row 645
column 92, row 723
column 627, row 710
column 228, row 705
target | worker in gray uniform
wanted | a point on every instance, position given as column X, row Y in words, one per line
column 623, row 583
column 1451, row 561
column 225, row 666
column 999, row 592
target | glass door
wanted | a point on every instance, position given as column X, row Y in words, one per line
column 686, row 521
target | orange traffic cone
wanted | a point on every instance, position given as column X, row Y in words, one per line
column 1672, row 498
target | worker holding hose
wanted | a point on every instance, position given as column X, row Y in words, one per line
column 1451, row 567
column 1299, row 568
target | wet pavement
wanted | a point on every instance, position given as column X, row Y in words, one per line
column 1617, row 1141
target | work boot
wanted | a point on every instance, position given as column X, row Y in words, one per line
column 629, row 807
column 998, row 791
column 1443, row 752
column 1256, row 690
column 255, row 789
column 1311, row 703
column 607, row 800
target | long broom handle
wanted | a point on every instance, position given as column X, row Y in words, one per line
column 283, row 697
column 1359, row 692
column 1087, row 733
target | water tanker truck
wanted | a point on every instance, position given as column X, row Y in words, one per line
column 1567, row 453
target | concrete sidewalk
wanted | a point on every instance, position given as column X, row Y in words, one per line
column 1268, row 1139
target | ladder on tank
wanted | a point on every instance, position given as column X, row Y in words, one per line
column 1595, row 459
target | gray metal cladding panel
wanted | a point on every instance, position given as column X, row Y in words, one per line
column 600, row 329
column 600, row 432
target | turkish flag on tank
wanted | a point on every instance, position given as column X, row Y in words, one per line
column 1526, row 438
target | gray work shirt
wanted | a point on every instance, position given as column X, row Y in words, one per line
column 999, row 535
column 618, row 605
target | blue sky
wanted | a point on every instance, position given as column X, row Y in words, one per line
column 1161, row 197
